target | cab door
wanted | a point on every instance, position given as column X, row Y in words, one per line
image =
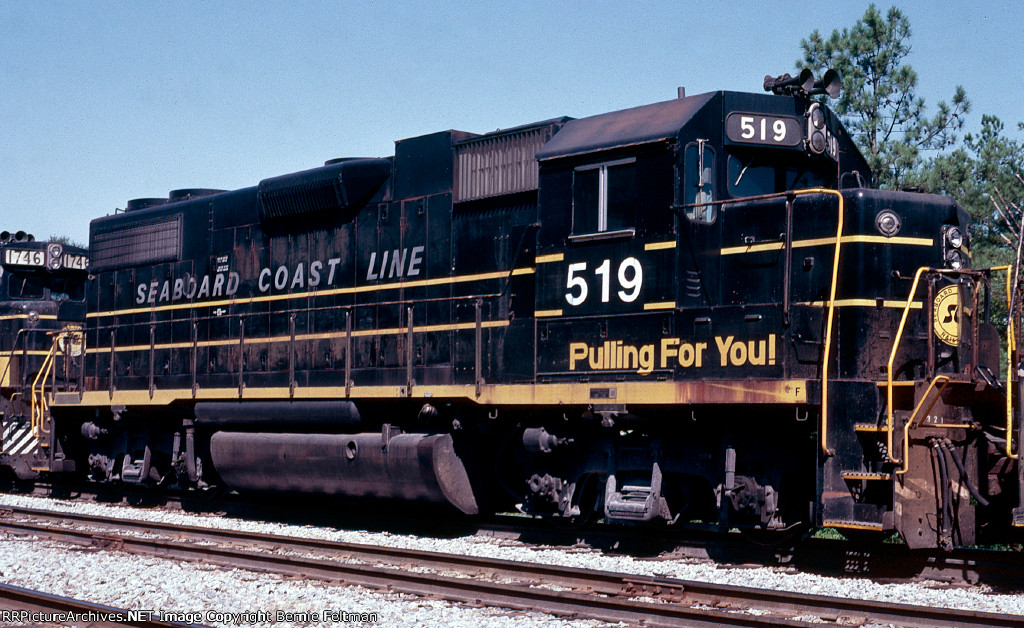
column 699, row 260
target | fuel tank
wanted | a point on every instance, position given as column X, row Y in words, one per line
column 414, row 467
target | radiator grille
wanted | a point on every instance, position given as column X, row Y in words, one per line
column 145, row 242
column 501, row 164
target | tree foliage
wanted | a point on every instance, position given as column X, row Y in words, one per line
column 983, row 172
column 986, row 176
column 67, row 241
column 878, row 103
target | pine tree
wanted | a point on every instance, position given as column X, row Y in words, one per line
column 986, row 176
column 878, row 104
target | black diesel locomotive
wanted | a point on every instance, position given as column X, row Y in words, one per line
column 694, row 311
column 42, row 309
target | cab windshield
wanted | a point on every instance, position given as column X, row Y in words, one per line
column 756, row 172
column 29, row 285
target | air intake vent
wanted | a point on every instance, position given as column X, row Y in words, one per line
column 340, row 187
column 137, row 244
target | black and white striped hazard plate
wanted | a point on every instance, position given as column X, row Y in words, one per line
column 19, row 439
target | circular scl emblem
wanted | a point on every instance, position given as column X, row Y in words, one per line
column 946, row 315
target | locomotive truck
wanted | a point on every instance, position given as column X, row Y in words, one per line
column 692, row 312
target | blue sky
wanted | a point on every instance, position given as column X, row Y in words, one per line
column 102, row 101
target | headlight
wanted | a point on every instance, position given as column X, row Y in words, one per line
column 955, row 237
column 53, row 254
column 818, row 142
column 955, row 260
column 819, row 139
column 817, row 117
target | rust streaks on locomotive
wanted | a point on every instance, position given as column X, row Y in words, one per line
column 696, row 311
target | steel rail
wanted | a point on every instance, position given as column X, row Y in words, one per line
column 38, row 607
column 967, row 566
column 655, row 601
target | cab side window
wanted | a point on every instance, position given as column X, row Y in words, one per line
column 699, row 183
column 604, row 197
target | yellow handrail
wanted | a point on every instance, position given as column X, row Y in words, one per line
column 38, row 410
column 1011, row 347
column 831, row 313
column 1010, row 342
column 913, row 417
column 10, row 360
column 890, row 421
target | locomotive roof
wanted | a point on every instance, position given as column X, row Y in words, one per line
column 638, row 125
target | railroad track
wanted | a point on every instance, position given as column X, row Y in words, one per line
column 612, row 597
column 27, row 607
column 840, row 558
column 880, row 561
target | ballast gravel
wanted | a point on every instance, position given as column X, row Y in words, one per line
column 219, row 597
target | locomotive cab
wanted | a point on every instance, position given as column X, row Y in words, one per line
column 741, row 308
column 661, row 295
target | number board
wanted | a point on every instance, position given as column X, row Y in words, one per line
column 751, row 128
column 75, row 262
column 23, row 257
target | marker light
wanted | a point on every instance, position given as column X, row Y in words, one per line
column 888, row 223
